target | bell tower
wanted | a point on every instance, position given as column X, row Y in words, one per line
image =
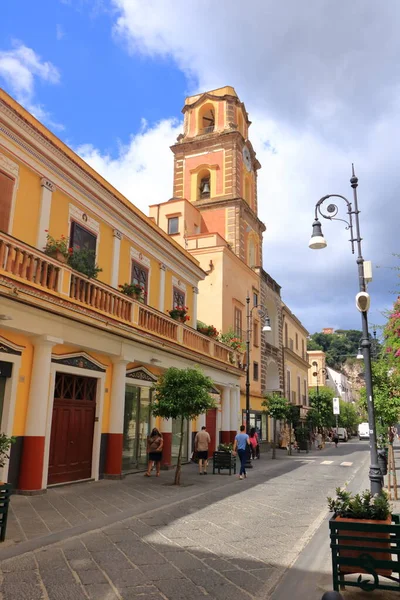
column 215, row 169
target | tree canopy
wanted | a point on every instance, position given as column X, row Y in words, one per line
column 339, row 347
column 182, row 394
column 321, row 411
column 386, row 386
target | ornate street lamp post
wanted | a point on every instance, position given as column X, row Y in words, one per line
column 262, row 311
column 317, row 242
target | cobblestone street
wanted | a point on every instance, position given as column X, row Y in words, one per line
column 216, row 536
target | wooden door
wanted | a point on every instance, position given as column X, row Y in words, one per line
column 71, row 442
column 211, row 425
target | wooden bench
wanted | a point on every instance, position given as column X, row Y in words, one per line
column 224, row 460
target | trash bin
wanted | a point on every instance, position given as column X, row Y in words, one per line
column 382, row 460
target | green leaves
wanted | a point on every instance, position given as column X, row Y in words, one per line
column 321, row 411
column 5, row 445
column 182, row 393
column 276, row 407
column 386, row 385
column 360, row 506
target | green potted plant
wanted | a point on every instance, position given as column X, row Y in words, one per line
column 302, row 439
column 57, row 248
column 208, row 330
column 179, row 313
column 133, row 290
column 5, row 488
column 367, row 521
column 225, row 448
column 231, row 339
column 84, row 261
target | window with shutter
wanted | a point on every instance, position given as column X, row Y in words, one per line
column 179, row 297
column 6, row 194
column 140, row 275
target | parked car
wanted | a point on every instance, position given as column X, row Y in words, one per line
column 342, row 434
column 363, row 431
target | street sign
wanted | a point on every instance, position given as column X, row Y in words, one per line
column 336, row 406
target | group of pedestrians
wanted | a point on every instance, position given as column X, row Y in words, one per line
column 244, row 445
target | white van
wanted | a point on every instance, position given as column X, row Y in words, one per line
column 363, row 431
column 342, row 434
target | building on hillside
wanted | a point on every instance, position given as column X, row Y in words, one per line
column 295, row 363
column 78, row 356
column 328, row 330
column 322, row 375
column 340, row 384
column 213, row 214
column 317, row 371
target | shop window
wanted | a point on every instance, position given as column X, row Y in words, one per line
column 140, row 275
column 255, row 371
column 6, row 194
column 179, row 297
column 173, row 225
column 237, row 322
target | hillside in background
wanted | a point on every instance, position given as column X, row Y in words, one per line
column 340, row 347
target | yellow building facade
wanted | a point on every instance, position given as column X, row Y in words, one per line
column 295, row 364
column 78, row 357
column 213, row 214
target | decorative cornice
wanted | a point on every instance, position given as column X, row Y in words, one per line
column 9, row 348
column 81, row 217
column 178, row 284
column 46, row 183
column 80, row 360
column 140, row 258
column 9, row 166
column 142, row 374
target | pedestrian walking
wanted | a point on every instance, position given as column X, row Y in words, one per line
column 201, row 443
column 254, row 444
column 155, row 444
column 335, row 438
column 242, row 441
column 319, row 440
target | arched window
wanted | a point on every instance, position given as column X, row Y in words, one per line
column 206, row 119
column 203, row 184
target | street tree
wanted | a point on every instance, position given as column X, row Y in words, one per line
column 348, row 418
column 321, row 412
column 277, row 408
column 386, row 384
column 182, row 394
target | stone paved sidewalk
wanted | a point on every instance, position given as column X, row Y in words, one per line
column 71, row 506
column 219, row 538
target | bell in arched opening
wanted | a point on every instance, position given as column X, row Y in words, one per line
column 205, row 187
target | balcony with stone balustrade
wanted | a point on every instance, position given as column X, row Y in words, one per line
column 27, row 268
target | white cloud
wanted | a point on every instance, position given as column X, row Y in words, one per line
column 321, row 83
column 60, row 33
column 18, row 68
column 143, row 169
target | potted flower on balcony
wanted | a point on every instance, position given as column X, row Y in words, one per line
column 208, row 330
column 133, row 290
column 367, row 520
column 57, row 248
column 179, row 313
column 231, row 339
column 84, row 261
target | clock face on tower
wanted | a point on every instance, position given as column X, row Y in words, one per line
column 247, row 158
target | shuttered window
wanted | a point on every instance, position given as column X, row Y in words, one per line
column 6, row 193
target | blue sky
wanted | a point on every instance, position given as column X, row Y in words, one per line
column 110, row 77
column 104, row 92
